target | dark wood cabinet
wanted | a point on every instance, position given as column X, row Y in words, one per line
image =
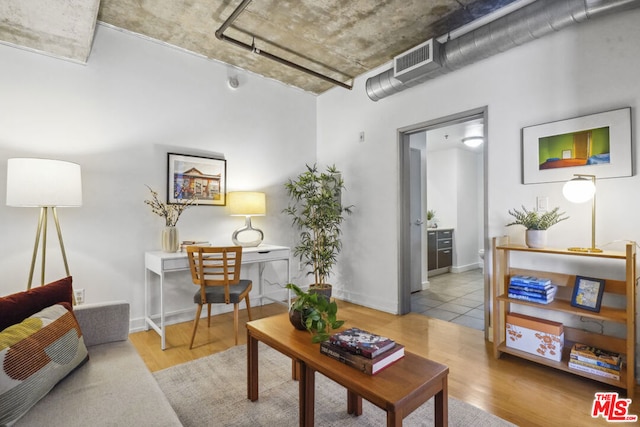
column 439, row 249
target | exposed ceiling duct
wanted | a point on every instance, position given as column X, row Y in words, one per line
column 531, row 22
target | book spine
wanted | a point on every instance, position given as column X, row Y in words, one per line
column 530, row 299
column 593, row 371
column 348, row 358
column 530, row 281
column 596, row 354
column 581, row 360
column 523, row 288
column 543, row 295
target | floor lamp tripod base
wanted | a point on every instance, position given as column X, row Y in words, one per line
column 42, row 232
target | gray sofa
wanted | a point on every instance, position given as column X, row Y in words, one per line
column 114, row 388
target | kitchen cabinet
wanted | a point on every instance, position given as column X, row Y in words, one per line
column 439, row 249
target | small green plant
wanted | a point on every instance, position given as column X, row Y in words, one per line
column 431, row 214
column 319, row 314
column 533, row 220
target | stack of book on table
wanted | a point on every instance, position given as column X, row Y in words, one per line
column 532, row 289
column 595, row 361
column 362, row 350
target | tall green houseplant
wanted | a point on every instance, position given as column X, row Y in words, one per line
column 317, row 212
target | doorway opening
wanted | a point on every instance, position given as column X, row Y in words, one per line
column 442, row 251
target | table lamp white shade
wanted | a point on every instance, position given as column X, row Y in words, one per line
column 43, row 183
column 579, row 190
column 247, row 203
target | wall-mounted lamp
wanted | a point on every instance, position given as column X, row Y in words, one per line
column 45, row 184
column 247, row 204
column 579, row 190
column 473, row 141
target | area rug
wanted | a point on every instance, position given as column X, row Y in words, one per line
column 212, row 391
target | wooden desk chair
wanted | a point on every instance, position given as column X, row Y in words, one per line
column 217, row 271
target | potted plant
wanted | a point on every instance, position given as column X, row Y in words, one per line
column 313, row 312
column 431, row 214
column 171, row 214
column 536, row 224
column 318, row 213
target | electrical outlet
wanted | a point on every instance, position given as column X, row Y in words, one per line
column 301, row 266
column 79, row 294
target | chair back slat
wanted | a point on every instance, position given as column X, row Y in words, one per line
column 215, row 266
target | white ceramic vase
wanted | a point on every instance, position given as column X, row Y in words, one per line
column 536, row 238
column 170, row 242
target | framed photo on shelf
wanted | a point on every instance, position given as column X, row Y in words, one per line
column 587, row 293
column 597, row 144
column 203, row 178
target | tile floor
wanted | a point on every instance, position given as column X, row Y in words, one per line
column 454, row 297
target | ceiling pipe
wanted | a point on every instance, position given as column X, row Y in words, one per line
column 252, row 48
column 531, row 22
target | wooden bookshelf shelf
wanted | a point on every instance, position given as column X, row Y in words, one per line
column 502, row 304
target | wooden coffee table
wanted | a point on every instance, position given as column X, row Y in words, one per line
column 398, row 389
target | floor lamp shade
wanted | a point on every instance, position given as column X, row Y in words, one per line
column 247, row 204
column 43, row 183
column 47, row 184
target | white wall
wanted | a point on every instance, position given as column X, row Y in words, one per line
column 589, row 68
column 117, row 117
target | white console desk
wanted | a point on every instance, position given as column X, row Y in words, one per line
column 159, row 263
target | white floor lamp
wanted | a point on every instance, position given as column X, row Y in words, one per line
column 45, row 184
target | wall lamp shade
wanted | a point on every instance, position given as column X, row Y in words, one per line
column 581, row 189
column 43, row 183
column 46, row 184
column 247, row 204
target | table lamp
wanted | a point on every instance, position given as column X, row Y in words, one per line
column 581, row 189
column 247, row 204
column 45, row 184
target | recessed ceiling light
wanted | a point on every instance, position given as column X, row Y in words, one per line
column 473, row 141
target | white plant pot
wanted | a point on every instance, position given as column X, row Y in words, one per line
column 536, row 238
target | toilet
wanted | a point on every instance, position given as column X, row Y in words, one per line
column 481, row 255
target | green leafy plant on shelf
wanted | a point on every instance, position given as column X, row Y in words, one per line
column 533, row 220
column 318, row 313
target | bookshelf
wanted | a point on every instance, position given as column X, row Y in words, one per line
column 503, row 269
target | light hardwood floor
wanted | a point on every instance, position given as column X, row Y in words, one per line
column 522, row 392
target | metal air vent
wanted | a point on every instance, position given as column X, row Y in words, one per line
column 417, row 61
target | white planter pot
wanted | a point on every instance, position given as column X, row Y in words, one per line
column 536, row 238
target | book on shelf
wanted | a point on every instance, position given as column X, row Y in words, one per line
column 596, row 354
column 529, row 281
column 596, row 362
column 361, row 342
column 542, row 295
column 615, row 371
column 592, row 370
column 540, row 291
column 530, row 299
column 361, row 363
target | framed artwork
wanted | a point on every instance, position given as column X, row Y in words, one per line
column 587, row 293
column 598, row 144
column 190, row 176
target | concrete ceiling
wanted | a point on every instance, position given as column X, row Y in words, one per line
column 337, row 38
